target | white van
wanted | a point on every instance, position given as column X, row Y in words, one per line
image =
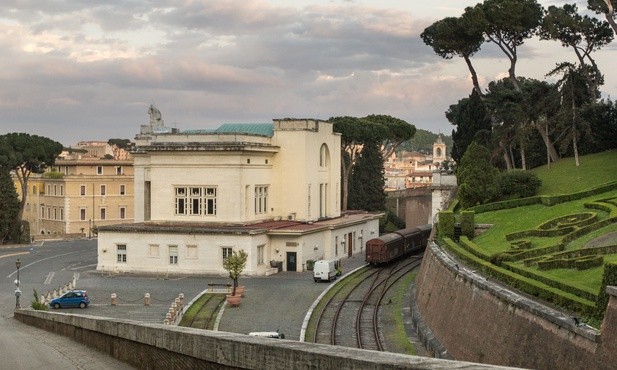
column 267, row 334
column 325, row 270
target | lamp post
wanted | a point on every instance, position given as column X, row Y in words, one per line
column 17, row 291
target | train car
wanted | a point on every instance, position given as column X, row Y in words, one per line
column 397, row 244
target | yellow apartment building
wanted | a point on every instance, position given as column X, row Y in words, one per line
column 76, row 196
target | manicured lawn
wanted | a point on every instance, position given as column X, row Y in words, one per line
column 562, row 178
column 507, row 221
column 565, row 177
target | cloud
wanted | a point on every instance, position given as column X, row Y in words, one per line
column 74, row 70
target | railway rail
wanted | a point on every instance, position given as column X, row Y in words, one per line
column 207, row 311
column 350, row 316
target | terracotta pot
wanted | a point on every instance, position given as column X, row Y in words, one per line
column 240, row 290
column 234, row 300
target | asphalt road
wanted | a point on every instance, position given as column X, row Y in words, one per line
column 277, row 302
column 26, row 347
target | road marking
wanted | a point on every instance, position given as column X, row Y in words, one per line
column 14, row 254
column 49, row 277
column 44, row 259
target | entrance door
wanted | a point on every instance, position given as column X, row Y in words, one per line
column 291, row 261
column 349, row 244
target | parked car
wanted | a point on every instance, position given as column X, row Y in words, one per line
column 73, row 298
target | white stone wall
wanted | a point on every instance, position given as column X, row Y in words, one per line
column 209, row 258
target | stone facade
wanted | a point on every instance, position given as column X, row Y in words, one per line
column 269, row 189
column 76, row 196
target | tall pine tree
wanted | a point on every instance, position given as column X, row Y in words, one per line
column 470, row 118
column 9, row 208
column 476, row 177
column 367, row 180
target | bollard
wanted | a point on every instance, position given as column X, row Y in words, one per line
column 114, row 299
column 147, row 299
column 181, row 296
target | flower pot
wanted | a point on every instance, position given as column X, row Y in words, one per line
column 234, row 300
column 240, row 290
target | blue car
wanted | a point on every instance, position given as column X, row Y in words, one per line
column 73, row 298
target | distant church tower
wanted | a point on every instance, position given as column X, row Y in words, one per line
column 439, row 150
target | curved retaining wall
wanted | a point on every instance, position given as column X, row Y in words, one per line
column 157, row 346
column 478, row 320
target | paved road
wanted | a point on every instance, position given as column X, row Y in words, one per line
column 26, row 347
column 277, row 302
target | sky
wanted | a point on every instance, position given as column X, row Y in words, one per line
column 74, row 70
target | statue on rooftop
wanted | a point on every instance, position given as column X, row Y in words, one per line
column 156, row 120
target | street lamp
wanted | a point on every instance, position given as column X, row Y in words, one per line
column 17, row 291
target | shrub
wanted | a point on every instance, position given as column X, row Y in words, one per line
column 477, row 177
column 468, row 224
column 446, row 224
column 36, row 303
column 608, row 279
column 518, row 184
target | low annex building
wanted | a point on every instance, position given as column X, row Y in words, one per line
column 271, row 190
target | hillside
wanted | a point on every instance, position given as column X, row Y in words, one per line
column 555, row 247
column 565, row 177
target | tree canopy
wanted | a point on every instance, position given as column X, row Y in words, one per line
column 25, row 154
column 477, row 177
column 367, row 180
column 389, row 132
column 9, row 208
column 526, row 113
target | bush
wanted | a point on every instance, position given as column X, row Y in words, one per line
column 518, row 184
column 609, row 279
column 468, row 224
column 477, row 177
column 446, row 224
column 36, row 303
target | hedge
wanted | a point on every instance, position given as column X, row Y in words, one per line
column 530, row 286
column 548, row 200
column 446, row 224
column 468, row 224
column 506, row 204
column 583, row 293
column 608, row 279
column 551, row 200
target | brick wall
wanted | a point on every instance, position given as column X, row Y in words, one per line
column 478, row 320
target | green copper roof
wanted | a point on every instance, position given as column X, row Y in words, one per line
column 259, row 129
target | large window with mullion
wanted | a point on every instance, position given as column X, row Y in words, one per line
column 195, row 200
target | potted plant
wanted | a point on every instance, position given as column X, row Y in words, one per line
column 235, row 264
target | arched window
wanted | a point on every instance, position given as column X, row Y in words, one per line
column 324, row 156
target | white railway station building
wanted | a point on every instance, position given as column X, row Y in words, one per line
column 272, row 190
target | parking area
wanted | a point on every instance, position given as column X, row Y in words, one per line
column 277, row 302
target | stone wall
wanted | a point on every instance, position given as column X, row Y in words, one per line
column 154, row 346
column 479, row 320
column 411, row 205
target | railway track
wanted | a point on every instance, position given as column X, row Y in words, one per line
column 350, row 316
column 207, row 311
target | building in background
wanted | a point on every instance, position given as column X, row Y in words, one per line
column 79, row 193
column 413, row 169
column 272, row 190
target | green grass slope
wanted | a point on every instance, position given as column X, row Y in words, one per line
column 531, row 246
column 564, row 177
